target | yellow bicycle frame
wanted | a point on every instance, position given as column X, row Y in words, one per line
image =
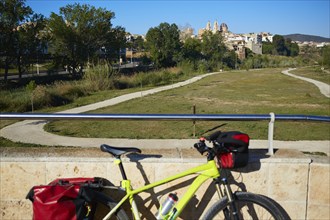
column 205, row 172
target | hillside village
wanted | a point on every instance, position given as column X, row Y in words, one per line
column 237, row 42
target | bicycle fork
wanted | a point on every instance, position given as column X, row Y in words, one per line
column 223, row 192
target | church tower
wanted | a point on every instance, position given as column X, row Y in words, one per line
column 208, row 26
column 215, row 27
column 224, row 28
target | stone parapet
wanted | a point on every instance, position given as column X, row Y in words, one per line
column 299, row 183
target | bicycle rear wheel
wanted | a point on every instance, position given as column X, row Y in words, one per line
column 104, row 204
column 249, row 206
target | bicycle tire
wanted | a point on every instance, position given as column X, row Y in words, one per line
column 280, row 208
column 249, row 206
column 103, row 207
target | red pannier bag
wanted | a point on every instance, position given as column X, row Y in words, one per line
column 64, row 199
column 232, row 149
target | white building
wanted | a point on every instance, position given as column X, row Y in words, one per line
column 267, row 37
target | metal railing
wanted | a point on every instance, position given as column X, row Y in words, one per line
column 159, row 117
column 271, row 117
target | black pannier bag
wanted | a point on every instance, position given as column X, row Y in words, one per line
column 65, row 199
column 232, row 149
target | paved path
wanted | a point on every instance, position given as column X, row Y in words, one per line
column 31, row 131
column 324, row 88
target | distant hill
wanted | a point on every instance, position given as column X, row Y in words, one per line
column 304, row 37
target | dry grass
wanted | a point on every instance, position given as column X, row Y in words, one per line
column 243, row 92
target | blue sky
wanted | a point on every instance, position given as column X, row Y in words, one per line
column 277, row 17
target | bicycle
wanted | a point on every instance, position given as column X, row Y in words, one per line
column 230, row 149
column 231, row 205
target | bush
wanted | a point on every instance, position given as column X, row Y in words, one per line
column 70, row 90
column 42, row 97
column 187, row 67
column 203, row 66
column 155, row 78
column 99, row 77
column 17, row 100
column 270, row 61
column 125, row 82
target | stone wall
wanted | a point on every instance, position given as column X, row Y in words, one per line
column 298, row 183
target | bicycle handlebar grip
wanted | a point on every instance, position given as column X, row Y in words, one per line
column 201, row 147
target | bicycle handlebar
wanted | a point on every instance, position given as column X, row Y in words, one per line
column 201, row 147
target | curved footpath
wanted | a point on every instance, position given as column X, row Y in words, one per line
column 323, row 87
column 31, row 131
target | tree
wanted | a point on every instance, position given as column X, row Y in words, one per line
column 326, row 56
column 31, row 87
column 192, row 49
column 294, row 49
column 279, row 45
column 139, row 44
column 164, row 44
column 115, row 41
column 80, row 31
column 185, row 32
column 230, row 59
column 12, row 14
column 267, row 48
column 213, row 48
column 30, row 43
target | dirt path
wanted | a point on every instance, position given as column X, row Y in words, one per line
column 324, row 88
column 31, row 131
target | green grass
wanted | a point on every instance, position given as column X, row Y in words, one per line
column 92, row 98
column 313, row 73
column 240, row 92
column 10, row 72
column 30, row 70
column 81, row 101
column 54, row 91
column 7, row 143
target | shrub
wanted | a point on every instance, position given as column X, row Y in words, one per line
column 187, row 67
column 30, row 87
column 42, row 97
column 99, row 77
column 70, row 90
column 203, row 66
column 15, row 101
column 125, row 82
column 155, row 78
column 58, row 94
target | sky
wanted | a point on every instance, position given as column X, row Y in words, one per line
column 275, row 16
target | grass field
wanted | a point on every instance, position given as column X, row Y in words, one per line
column 237, row 92
column 314, row 73
column 30, row 70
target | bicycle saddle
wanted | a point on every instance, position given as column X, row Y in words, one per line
column 118, row 151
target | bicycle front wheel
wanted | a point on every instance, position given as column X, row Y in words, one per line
column 248, row 206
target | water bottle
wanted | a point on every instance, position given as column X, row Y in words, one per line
column 167, row 205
